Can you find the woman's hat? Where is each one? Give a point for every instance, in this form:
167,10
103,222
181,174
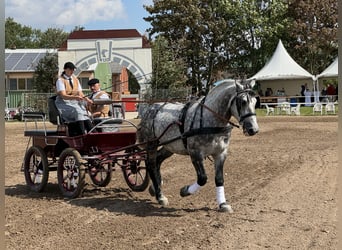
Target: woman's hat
69,65
93,81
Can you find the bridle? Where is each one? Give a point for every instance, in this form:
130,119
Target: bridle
238,101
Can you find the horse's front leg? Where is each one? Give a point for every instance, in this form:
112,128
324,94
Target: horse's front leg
197,161
219,182
154,172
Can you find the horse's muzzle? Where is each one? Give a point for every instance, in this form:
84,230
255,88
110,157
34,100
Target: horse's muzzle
250,130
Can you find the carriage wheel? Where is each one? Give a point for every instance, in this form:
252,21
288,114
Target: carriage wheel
70,173
135,171
101,175
36,168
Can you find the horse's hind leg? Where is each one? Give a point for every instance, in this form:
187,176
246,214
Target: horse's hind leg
154,172
162,154
197,161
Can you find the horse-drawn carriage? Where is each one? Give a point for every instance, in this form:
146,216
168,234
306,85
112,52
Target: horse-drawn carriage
95,153
199,128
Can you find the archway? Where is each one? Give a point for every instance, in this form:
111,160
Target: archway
86,63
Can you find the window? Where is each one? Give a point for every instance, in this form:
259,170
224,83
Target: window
13,84
84,82
29,83
21,84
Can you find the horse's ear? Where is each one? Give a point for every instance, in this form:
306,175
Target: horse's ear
239,86
249,84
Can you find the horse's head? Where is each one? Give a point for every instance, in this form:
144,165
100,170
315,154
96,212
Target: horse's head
244,110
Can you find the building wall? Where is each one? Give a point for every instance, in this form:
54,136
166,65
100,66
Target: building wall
126,52
79,44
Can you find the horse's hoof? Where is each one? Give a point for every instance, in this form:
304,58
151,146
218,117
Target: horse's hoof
151,190
163,201
184,191
224,207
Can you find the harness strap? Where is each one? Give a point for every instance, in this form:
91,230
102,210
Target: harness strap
182,119
199,131
185,108
206,130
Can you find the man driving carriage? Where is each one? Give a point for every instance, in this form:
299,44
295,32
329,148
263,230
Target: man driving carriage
97,110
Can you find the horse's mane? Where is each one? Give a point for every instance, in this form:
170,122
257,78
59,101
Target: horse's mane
239,85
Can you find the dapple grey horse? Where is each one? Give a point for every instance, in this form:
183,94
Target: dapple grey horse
199,128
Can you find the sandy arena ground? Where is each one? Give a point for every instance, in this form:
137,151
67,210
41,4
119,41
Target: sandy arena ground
281,183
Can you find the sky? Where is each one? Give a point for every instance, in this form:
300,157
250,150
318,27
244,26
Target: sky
92,15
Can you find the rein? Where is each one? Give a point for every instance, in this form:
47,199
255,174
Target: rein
202,130
220,116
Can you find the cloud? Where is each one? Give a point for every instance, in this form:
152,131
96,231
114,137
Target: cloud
61,13
146,2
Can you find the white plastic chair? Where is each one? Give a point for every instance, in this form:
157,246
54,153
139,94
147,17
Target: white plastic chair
285,107
269,110
330,107
318,107
7,114
295,110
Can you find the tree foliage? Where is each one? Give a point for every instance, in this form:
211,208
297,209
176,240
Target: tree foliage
313,33
18,36
168,70
45,74
215,36
52,38
133,84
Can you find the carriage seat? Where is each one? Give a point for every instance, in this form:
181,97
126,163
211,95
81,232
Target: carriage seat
108,124
54,115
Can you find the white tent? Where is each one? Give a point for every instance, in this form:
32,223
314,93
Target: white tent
281,71
330,71
281,66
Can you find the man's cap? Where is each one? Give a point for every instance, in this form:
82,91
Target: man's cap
69,65
93,81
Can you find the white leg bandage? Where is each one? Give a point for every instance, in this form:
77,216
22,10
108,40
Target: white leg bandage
194,188
220,197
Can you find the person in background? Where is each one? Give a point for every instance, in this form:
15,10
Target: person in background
331,91
97,110
71,102
308,95
268,92
324,97
302,92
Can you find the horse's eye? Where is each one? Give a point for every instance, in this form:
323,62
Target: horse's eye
244,102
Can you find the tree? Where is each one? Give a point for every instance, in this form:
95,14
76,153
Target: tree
253,31
18,36
133,83
52,38
168,71
45,74
313,33
215,36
